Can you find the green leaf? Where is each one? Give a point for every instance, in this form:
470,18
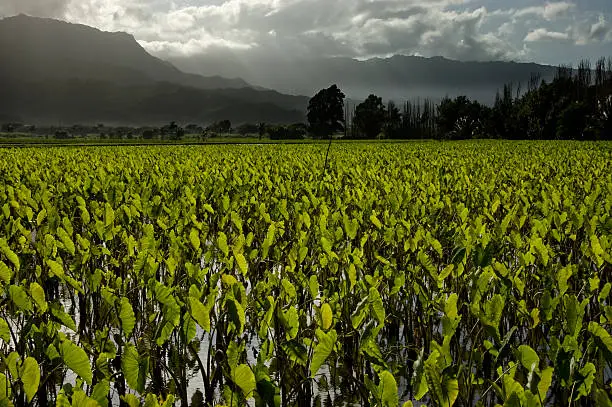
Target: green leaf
326,316
313,286
388,390
601,398
528,358
30,377
222,243
5,273
66,240
10,255
242,263
41,216
126,314
245,379
545,382
58,312
100,392
109,215
56,268
588,373
374,219
20,298
76,359
601,334
130,367
200,313
5,333
194,239
38,294
237,314
376,305
5,388
322,350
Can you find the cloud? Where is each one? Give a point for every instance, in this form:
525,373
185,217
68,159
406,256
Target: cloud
38,8
587,32
548,11
460,29
542,34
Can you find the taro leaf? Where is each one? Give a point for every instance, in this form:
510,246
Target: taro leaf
236,313
326,316
313,285
109,215
200,313
5,273
56,268
296,352
5,333
41,216
38,294
58,312
245,379
419,381
100,392
30,377
601,334
5,388
601,398
66,240
130,365
128,320
222,243
10,255
20,298
76,359
545,382
63,401
242,263
322,350
374,219
292,322
528,358
376,305
588,375
444,388
194,239
388,390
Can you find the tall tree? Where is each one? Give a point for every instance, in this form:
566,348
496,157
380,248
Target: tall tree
370,116
326,112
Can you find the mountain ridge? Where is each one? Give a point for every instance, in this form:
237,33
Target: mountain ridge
59,71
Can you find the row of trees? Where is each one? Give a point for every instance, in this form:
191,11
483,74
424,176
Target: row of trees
576,104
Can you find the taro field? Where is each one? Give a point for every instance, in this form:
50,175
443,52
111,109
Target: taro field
440,274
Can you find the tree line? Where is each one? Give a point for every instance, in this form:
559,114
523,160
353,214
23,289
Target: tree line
575,104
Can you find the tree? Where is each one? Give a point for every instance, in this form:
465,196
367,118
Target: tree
326,112
370,117
393,123
461,118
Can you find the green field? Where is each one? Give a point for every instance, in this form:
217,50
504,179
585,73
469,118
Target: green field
467,273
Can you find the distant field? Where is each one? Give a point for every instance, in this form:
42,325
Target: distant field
456,273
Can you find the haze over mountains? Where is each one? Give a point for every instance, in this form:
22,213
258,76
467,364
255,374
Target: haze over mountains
398,77
56,72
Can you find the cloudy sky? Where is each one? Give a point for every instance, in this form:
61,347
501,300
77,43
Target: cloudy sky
524,30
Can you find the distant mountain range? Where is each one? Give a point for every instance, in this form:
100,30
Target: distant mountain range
399,77
53,72
56,72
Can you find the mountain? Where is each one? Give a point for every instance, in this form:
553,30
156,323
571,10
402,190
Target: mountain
53,71
398,77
